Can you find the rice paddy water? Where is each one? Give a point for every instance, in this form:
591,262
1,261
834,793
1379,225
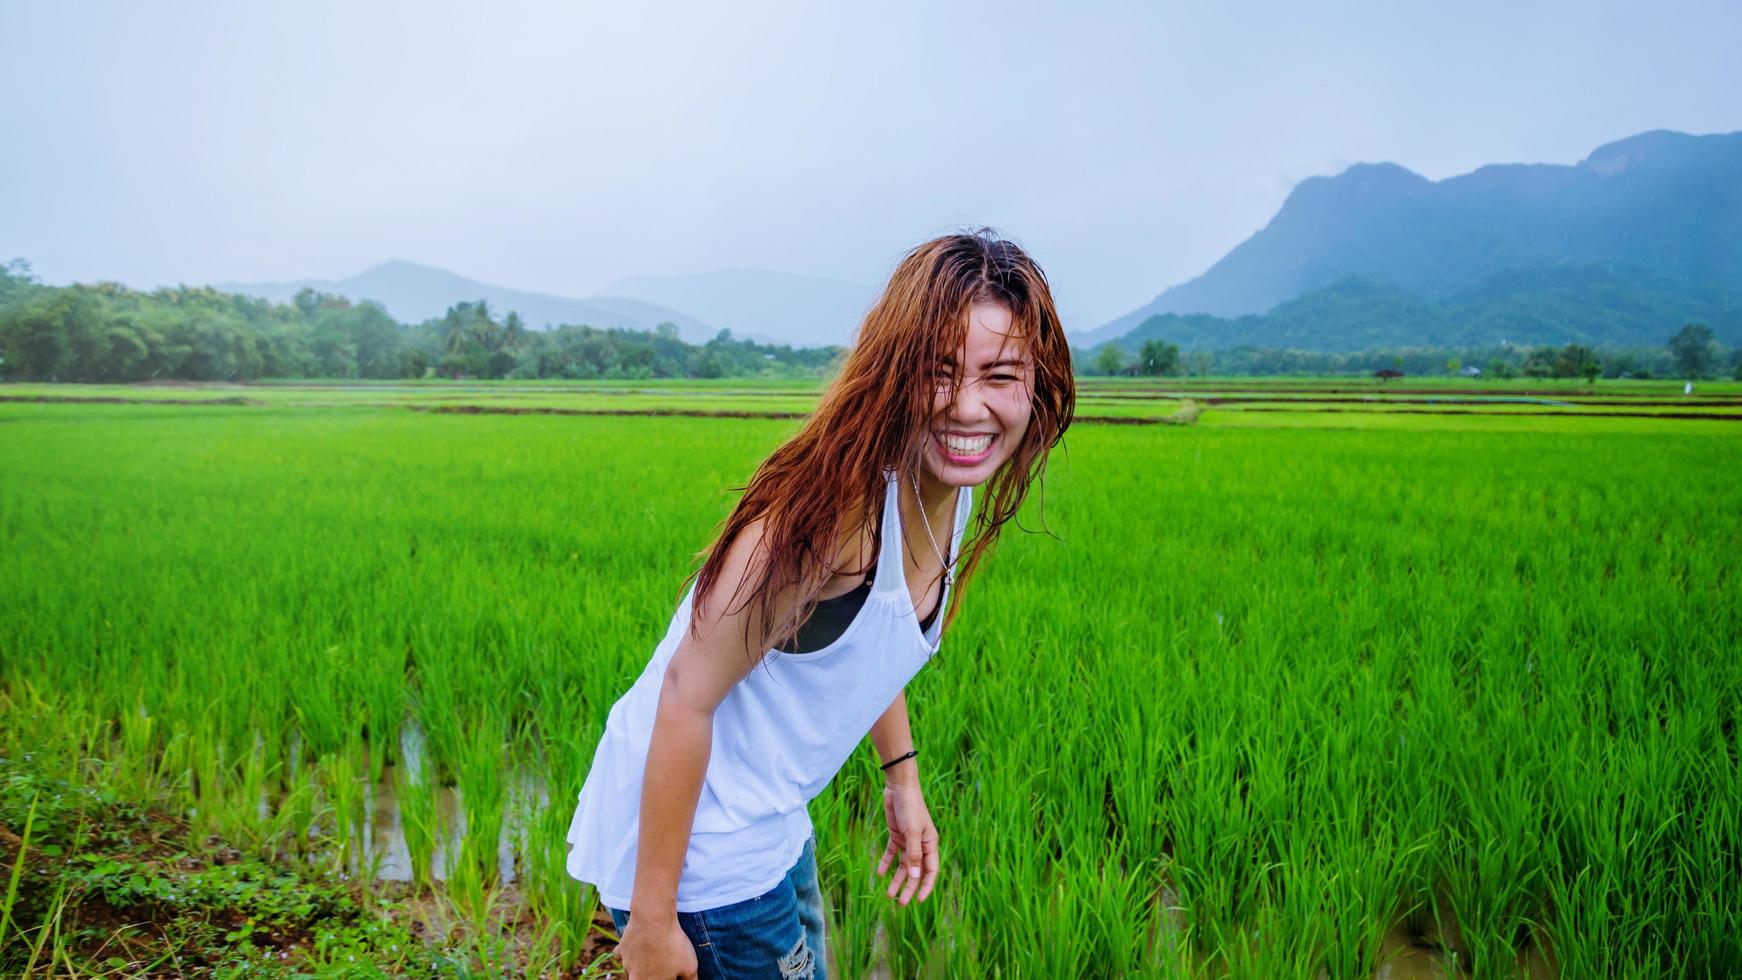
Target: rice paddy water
1270,695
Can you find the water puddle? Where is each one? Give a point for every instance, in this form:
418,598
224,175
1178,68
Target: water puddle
1406,952
399,819
385,846
1404,955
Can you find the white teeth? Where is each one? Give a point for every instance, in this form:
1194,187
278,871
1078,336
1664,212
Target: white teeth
965,445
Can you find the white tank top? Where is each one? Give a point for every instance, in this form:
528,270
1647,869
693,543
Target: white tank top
780,735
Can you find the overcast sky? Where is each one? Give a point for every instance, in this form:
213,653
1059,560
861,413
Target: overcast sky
558,147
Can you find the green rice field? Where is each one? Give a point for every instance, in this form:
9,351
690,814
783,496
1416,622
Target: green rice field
1292,678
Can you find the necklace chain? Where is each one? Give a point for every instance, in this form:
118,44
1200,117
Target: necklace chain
924,519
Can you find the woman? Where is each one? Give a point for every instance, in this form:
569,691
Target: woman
820,598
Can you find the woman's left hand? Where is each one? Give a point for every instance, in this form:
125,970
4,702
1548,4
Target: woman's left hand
913,843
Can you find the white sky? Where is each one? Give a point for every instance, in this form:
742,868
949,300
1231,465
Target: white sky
558,147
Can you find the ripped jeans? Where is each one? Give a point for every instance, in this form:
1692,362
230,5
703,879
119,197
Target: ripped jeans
778,935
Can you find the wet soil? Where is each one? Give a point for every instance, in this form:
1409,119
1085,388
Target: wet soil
126,890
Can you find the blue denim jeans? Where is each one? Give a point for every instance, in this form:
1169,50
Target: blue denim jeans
778,935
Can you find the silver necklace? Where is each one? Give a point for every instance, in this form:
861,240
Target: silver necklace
949,566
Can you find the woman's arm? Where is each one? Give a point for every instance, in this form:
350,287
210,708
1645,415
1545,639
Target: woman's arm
677,760
892,736
704,668
910,825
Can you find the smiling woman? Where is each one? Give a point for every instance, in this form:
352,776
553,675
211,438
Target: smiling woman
979,417
693,820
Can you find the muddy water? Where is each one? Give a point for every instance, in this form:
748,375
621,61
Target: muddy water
383,839
1403,954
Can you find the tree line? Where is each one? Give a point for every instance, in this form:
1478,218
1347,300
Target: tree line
106,332
1691,353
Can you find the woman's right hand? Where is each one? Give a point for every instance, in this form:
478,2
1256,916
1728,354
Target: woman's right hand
653,950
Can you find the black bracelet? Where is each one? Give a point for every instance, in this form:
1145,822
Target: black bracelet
900,758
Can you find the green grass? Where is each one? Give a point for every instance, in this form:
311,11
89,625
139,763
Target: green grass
1279,684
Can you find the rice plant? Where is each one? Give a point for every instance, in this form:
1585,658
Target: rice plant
1266,695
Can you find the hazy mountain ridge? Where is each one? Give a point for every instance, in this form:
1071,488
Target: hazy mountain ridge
1657,203
797,309
413,293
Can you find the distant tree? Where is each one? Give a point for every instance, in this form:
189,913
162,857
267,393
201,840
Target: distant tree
307,300
1111,360
1201,361
415,363
499,364
1574,361
15,280
453,331
1454,365
1157,357
376,338
667,330
39,344
1539,363
1692,348
513,331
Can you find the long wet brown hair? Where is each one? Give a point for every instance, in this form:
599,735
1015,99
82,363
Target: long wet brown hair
828,480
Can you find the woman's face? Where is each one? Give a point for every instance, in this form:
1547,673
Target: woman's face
971,439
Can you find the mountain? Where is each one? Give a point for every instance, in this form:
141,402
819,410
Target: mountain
413,293
805,311
1603,304
1660,203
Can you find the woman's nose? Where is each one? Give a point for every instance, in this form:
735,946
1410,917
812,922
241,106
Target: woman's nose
971,403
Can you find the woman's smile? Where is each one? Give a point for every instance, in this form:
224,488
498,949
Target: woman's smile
966,449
